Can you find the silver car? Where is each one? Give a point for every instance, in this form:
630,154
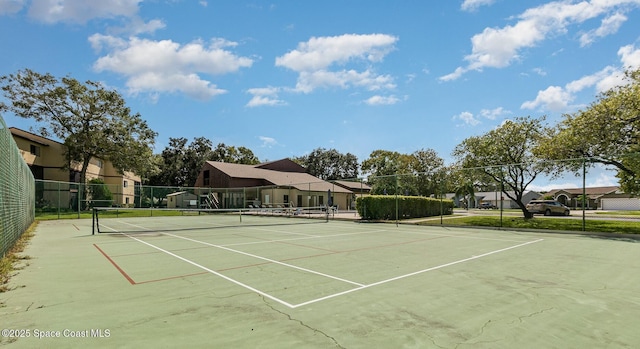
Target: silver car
547,207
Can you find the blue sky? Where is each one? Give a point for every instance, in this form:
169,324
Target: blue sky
285,77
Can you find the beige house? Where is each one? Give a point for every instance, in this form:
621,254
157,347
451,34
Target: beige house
281,183
46,160
572,197
358,188
182,199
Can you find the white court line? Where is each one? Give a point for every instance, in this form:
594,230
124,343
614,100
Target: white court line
246,254
412,274
293,306
304,238
267,259
465,236
215,273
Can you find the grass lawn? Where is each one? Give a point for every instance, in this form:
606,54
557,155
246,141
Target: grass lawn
111,213
601,226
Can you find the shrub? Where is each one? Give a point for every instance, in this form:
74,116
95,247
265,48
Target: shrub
100,194
384,207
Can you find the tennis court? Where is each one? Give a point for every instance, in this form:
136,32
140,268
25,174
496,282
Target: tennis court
284,282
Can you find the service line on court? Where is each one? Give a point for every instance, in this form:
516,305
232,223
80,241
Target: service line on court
267,259
293,306
412,274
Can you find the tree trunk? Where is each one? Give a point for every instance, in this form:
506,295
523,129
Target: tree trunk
82,186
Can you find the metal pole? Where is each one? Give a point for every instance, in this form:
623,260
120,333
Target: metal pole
441,203
584,193
396,199
501,194
59,201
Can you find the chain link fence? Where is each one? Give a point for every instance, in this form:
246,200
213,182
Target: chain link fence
573,194
500,196
17,192
55,200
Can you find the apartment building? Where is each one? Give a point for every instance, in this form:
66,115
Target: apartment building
46,159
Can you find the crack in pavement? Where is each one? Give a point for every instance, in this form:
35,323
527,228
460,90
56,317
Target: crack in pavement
534,313
301,323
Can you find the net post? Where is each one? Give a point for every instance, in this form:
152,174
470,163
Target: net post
94,221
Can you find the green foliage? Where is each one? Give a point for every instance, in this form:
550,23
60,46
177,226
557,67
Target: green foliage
92,120
591,225
329,164
383,207
232,154
506,155
180,163
607,132
99,193
419,173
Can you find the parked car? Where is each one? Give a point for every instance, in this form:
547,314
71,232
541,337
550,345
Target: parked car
486,205
547,207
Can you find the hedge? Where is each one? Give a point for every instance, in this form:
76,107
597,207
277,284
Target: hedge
384,207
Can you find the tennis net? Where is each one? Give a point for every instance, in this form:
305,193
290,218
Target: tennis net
132,220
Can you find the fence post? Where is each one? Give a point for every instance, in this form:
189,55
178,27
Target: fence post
584,192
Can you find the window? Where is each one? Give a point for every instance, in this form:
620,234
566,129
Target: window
205,177
286,199
34,150
99,163
126,201
126,184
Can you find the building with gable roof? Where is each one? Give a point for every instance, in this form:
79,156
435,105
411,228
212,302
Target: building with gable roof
572,197
281,183
47,161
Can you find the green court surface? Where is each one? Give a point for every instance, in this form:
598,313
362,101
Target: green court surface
275,282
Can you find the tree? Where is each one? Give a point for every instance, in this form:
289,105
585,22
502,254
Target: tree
99,193
92,120
180,163
383,167
419,173
607,132
231,154
329,164
425,167
506,155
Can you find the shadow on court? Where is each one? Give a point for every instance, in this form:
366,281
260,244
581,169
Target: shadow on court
202,283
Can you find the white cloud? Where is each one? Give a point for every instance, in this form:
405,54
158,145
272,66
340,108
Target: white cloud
320,52
493,114
267,142
556,98
138,26
467,118
11,6
313,61
540,71
167,66
543,188
265,96
382,100
309,81
80,11
455,75
603,180
472,5
630,56
499,47
610,25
